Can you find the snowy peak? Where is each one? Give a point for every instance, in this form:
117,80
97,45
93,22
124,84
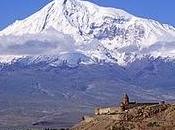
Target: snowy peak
115,34
88,20
66,13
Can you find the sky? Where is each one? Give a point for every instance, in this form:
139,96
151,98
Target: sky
160,10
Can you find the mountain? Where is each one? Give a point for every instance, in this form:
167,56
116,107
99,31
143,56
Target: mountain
100,33
72,55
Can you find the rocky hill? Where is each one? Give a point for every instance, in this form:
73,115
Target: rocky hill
154,117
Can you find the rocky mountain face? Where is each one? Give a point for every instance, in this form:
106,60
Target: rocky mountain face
73,55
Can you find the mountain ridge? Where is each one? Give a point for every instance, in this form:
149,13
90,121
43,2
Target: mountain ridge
116,30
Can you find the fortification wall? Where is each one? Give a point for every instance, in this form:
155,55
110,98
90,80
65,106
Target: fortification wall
107,110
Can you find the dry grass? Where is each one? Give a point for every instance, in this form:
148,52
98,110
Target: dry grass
156,118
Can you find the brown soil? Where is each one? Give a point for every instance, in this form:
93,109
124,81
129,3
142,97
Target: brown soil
155,117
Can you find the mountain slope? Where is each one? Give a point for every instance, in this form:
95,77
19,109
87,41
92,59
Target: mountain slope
61,95
72,56
121,36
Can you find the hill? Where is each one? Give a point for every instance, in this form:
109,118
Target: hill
155,117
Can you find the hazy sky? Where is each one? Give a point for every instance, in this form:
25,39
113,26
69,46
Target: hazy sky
161,10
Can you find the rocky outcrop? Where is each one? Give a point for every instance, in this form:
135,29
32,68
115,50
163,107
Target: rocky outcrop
153,117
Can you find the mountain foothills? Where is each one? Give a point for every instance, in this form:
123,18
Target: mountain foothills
72,55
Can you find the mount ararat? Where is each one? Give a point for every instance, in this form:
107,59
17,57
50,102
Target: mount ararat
73,55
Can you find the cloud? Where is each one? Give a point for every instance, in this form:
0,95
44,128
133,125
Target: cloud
49,42
160,46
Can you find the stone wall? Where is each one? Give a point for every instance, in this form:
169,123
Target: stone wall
107,110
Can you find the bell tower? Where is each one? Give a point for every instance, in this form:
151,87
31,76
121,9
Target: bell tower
125,100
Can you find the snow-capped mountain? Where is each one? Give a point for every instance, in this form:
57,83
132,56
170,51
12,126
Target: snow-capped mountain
73,55
100,33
